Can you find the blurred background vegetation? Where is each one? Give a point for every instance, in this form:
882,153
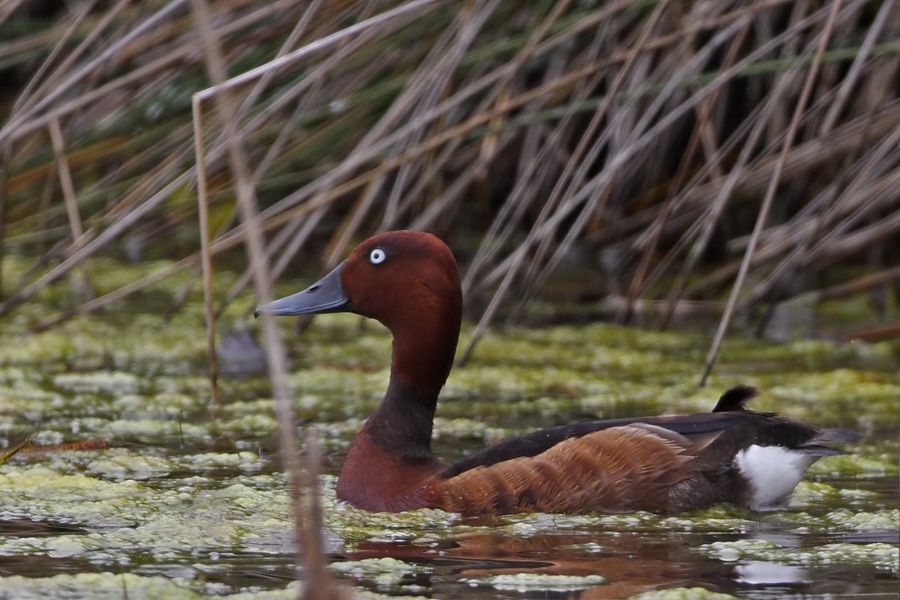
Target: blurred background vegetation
613,157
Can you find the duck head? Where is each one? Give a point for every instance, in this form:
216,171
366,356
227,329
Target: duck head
407,280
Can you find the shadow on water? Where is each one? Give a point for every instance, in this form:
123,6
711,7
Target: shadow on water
628,562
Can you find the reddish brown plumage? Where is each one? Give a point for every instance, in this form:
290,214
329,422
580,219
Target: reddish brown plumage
409,281
416,295
373,478
621,468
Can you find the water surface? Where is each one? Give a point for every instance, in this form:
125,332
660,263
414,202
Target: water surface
172,510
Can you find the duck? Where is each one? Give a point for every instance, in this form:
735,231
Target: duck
409,281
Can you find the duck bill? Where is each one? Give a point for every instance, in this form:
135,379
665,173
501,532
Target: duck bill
324,296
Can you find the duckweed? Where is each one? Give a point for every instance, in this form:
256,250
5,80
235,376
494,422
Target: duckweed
177,508
536,582
883,556
129,466
101,586
386,573
856,465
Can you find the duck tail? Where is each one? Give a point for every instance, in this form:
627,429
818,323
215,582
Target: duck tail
820,444
735,399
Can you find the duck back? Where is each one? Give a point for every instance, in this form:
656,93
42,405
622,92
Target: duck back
663,464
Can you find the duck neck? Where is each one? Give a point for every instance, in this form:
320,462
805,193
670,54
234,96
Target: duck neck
421,361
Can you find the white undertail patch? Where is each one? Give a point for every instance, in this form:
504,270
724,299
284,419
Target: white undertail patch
773,473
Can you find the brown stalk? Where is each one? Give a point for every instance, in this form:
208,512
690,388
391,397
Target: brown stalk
565,183
317,577
5,153
358,158
560,193
80,74
30,121
81,282
122,292
289,234
860,284
725,192
32,89
314,47
626,154
825,224
803,158
207,266
618,163
853,74
91,246
770,193
886,331
8,9
203,216
703,129
871,195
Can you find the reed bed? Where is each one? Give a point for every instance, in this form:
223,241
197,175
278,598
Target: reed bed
694,150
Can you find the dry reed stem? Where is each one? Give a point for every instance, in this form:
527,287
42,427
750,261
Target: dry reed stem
572,178
12,127
32,88
770,193
433,120
860,284
310,49
206,264
570,234
702,131
81,280
725,192
318,580
855,70
831,221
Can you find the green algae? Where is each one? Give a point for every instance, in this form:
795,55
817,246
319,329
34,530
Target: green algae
887,520
101,586
119,465
536,582
115,586
387,574
883,556
857,465
169,494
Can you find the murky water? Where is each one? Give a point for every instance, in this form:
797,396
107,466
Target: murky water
170,510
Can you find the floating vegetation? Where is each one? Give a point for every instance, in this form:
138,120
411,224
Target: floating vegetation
172,502
387,574
531,582
885,557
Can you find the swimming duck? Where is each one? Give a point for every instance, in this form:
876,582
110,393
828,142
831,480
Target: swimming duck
408,280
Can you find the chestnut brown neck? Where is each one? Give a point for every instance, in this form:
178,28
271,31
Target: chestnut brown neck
423,350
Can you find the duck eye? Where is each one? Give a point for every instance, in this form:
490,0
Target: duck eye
377,256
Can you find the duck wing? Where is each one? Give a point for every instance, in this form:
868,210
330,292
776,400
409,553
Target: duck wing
536,442
629,467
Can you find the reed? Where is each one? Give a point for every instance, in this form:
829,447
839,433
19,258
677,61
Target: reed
691,145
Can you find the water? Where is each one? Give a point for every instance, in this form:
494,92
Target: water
172,510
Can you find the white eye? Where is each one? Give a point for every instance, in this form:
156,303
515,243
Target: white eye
377,256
